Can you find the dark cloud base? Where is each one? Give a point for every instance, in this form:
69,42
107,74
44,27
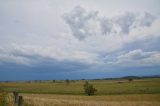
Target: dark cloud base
58,73
151,44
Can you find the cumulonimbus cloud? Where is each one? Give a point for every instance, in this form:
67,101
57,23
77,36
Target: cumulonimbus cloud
87,23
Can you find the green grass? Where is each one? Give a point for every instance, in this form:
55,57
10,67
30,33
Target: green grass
2,98
104,87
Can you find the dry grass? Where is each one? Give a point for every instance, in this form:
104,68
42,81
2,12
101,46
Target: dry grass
10,100
70,100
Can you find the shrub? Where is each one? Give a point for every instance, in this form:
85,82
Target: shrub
53,81
89,89
130,79
67,81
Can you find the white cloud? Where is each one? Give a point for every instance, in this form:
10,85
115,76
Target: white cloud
106,26
85,24
24,54
80,22
142,33
90,34
138,58
102,34
146,19
125,22
8,58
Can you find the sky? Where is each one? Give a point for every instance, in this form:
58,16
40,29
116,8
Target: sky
78,39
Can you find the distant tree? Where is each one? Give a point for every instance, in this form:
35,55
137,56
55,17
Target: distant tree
67,81
130,79
82,79
53,81
7,81
89,89
28,81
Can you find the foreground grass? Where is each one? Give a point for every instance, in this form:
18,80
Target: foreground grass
2,99
77,100
144,92
104,87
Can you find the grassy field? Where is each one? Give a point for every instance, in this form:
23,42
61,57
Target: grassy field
121,92
104,87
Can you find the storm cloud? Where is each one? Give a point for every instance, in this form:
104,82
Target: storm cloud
78,39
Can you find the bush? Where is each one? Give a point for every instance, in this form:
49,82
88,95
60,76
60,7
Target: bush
130,79
53,81
67,81
89,89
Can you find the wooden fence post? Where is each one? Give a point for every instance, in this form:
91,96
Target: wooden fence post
20,101
15,97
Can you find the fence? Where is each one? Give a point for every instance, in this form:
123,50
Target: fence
18,100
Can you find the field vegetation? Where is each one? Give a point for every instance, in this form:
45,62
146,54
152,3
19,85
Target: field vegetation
118,92
81,100
2,98
104,87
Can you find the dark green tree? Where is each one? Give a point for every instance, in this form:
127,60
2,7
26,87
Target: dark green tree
130,79
89,89
53,81
67,81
